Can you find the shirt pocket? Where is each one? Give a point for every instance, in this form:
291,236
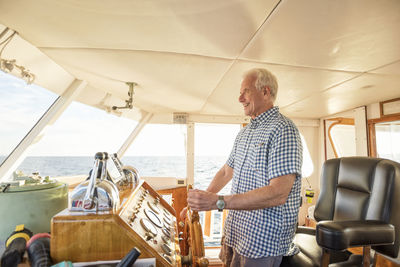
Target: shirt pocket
260,163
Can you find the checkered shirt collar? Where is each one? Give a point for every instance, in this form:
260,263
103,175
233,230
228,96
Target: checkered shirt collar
263,117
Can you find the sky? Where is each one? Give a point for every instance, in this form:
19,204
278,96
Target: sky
83,130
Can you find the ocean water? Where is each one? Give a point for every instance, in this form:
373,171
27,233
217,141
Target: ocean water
205,166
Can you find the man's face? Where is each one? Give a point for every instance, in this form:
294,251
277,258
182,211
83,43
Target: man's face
253,101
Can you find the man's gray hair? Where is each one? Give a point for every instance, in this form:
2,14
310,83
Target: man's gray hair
264,78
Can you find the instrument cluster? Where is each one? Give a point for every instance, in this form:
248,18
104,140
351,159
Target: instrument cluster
153,222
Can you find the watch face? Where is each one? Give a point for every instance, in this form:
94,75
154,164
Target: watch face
220,204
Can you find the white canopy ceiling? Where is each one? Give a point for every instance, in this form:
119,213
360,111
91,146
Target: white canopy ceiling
189,56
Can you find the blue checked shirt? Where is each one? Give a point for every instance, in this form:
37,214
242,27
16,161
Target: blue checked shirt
268,147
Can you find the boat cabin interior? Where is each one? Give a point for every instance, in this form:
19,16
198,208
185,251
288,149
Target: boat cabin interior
112,70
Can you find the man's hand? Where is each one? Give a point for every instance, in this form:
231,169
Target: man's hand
182,215
199,200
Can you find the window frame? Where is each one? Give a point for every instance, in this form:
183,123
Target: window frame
336,121
372,132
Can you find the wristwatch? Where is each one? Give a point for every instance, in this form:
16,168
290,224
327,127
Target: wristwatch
220,203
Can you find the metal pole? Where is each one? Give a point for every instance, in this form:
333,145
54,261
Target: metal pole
190,154
145,119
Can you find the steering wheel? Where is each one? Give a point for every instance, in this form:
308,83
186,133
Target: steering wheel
192,243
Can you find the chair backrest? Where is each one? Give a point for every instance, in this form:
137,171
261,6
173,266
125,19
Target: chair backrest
361,188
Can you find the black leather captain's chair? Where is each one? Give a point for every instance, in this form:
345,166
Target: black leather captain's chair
358,205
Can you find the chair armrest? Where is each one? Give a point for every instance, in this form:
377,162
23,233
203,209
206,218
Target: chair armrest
340,235
305,230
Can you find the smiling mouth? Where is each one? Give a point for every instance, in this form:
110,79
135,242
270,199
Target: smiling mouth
246,105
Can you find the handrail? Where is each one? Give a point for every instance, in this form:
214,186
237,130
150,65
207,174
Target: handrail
343,121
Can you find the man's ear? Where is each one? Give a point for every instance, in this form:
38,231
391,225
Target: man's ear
267,91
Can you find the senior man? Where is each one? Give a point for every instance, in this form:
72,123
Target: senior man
265,169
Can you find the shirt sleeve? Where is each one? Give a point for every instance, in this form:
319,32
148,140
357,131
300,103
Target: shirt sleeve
286,153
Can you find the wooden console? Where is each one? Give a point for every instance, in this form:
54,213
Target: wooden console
145,221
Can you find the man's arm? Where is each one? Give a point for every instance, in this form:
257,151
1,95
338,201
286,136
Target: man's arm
274,194
221,178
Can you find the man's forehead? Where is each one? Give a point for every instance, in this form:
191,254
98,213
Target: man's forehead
247,84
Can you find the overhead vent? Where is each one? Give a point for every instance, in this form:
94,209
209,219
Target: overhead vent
180,118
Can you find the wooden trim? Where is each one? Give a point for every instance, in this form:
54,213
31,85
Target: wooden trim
367,132
207,223
372,140
325,258
372,131
224,215
179,200
342,120
331,139
388,101
325,148
378,260
337,121
366,256
385,119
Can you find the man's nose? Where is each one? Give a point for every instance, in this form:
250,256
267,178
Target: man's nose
241,98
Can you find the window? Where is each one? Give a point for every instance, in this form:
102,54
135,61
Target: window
343,137
308,167
159,151
213,144
21,106
68,147
388,140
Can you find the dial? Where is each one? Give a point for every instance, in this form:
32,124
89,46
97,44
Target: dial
168,258
167,221
166,249
153,217
166,239
153,207
166,232
148,226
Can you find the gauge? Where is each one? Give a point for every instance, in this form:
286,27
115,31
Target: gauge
153,207
166,232
168,258
167,226
166,239
166,249
167,214
148,226
167,221
153,217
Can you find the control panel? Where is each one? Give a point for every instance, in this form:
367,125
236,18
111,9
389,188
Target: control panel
147,214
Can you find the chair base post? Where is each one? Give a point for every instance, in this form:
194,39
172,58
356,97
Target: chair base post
325,258
375,259
366,256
